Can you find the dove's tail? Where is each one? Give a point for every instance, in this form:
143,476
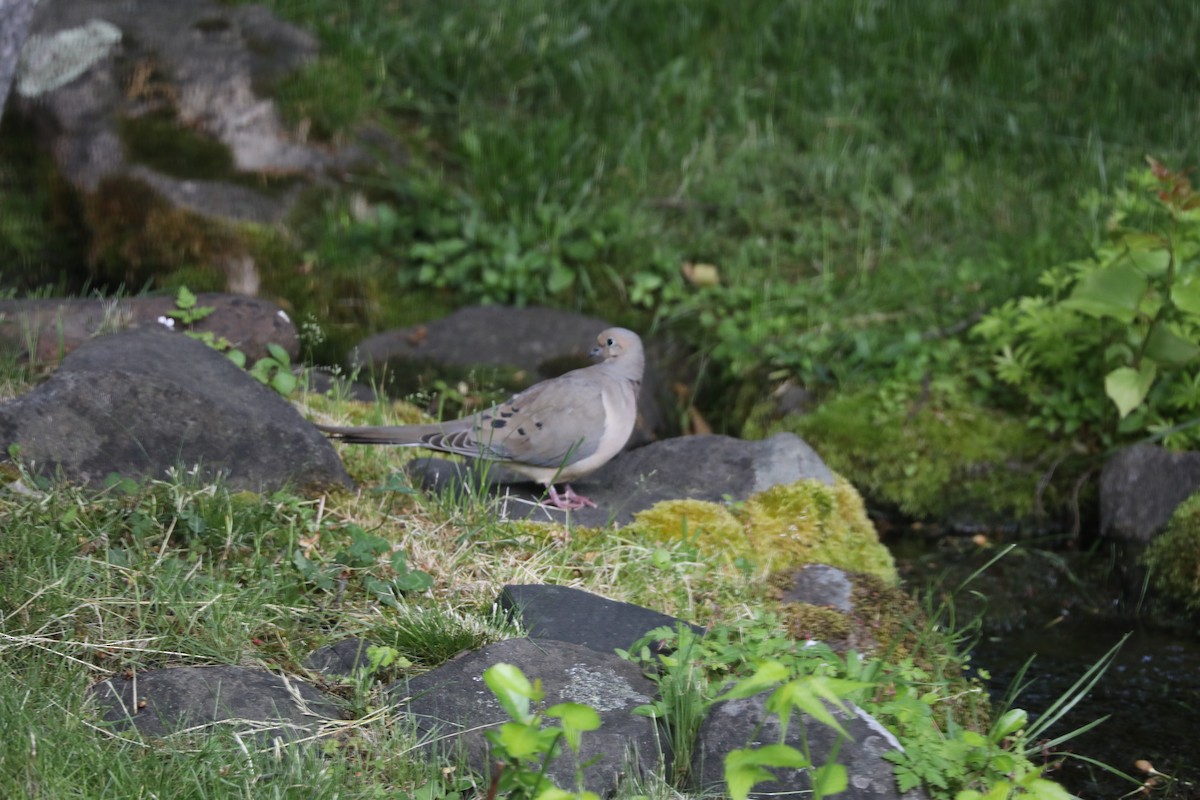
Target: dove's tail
401,435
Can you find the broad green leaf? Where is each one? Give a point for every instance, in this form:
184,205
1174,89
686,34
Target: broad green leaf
284,383
1185,294
766,676
575,715
830,779
1012,721
1148,252
744,768
576,718
805,695
278,353
512,689
561,278
1167,349
520,740
1128,387
1113,291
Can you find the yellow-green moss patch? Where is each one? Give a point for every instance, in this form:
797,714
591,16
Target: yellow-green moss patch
710,525
804,522
905,447
809,521
1174,557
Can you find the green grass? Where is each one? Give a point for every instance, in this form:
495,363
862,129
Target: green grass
858,171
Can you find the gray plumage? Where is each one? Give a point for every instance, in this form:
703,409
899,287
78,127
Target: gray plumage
555,431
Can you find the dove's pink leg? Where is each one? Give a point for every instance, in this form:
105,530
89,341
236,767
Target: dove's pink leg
568,500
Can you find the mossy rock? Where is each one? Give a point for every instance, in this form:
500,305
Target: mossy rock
803,522
1174,557
710,526
937,457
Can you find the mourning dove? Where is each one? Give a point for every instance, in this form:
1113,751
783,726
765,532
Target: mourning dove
553,432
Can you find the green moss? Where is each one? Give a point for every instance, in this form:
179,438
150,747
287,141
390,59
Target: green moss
137,236
160,141
907,451
805,621
808,521
39,242
709,525
1174,557
785,526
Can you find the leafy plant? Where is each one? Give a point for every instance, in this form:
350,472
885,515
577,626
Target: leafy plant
379,569
525,746
809,694
273,369
941,752
1122,324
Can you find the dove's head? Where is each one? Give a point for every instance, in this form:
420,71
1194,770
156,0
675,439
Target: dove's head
620,350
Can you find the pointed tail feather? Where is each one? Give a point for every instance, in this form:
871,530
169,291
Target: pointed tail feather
401,435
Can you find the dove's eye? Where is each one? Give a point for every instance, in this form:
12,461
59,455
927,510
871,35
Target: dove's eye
610,342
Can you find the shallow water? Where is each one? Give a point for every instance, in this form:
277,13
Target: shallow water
1151,694
1062,608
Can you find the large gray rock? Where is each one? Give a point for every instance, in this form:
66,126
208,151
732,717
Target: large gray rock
256,702
572,615
709,467
15,16
451,708
144,401
1141,487
45,330
738,724
91,63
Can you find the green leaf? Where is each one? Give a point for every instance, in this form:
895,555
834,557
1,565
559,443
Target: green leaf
237,357
184,298
1012,721
830,779
520,740
561,278
1185,294
284,383
744,768
576,718
1168,349
1128,387
575,715
1109,292
766,676
279,354
512,689
1153,263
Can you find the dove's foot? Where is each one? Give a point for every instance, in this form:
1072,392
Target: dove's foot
568,500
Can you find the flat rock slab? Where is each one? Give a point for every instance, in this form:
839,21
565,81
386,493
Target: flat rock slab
820,585
142,402
511,347
168,701
572,615
451,707
1141,487
736,724
709,467
45,330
